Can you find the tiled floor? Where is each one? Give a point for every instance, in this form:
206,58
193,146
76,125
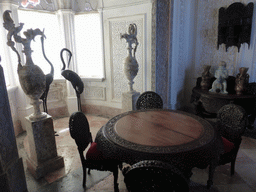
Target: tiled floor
243,180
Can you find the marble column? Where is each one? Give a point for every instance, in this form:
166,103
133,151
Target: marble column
12,176
42,153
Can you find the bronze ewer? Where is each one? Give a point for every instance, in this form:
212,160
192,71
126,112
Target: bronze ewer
242,80
31,77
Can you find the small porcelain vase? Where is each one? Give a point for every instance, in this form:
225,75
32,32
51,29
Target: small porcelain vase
242,79
206,78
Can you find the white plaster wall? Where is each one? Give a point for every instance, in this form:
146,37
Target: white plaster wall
116,20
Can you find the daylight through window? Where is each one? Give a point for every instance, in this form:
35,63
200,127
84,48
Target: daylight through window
52,44
89,45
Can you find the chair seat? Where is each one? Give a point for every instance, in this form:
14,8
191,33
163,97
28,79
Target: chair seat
228,146
93,153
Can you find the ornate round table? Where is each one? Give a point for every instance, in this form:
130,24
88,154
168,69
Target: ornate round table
183,139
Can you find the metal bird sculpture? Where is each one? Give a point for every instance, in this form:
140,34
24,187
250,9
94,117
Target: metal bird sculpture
73,77
12,31
48,77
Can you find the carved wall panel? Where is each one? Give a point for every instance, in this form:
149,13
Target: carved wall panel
119,53
57,95
93,92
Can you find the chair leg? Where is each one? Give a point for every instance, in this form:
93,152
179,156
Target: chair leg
233,167
120,166
211,173
115,173
84,176
89,171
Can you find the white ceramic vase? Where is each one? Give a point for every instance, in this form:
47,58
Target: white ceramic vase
131,66
131,69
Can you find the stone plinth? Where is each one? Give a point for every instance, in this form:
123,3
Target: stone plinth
129,101
42,154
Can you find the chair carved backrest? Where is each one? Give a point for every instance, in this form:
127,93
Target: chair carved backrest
152,175
149,100
80,130
232,120
251,88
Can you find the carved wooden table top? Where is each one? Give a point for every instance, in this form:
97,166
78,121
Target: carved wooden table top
158,128
158,134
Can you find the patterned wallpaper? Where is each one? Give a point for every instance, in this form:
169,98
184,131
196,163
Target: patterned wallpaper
161,41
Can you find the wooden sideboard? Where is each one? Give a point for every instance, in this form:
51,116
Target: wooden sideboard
208,103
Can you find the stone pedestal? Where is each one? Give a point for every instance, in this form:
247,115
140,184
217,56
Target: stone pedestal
42,154
129,101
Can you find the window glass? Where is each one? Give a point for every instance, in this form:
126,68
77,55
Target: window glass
52,44
89,45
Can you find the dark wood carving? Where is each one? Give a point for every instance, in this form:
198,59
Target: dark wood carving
114,145
235,23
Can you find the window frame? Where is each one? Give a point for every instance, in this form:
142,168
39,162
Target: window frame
97,79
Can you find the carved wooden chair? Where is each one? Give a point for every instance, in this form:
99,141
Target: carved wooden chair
154,176
149,100
80,132
251,89
231,124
